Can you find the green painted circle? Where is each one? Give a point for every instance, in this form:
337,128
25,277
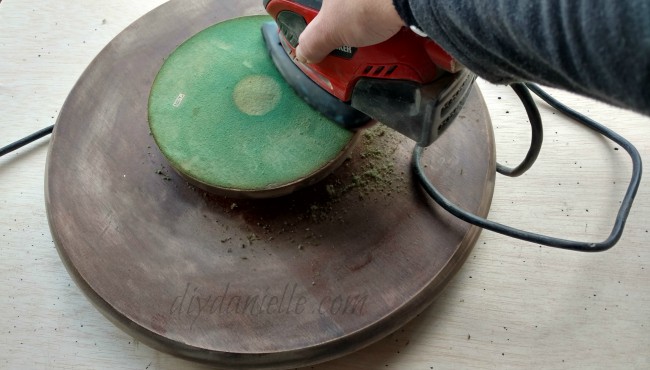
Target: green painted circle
223,116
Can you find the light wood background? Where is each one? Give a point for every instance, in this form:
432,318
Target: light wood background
512,305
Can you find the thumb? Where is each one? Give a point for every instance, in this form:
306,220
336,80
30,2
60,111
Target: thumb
316,41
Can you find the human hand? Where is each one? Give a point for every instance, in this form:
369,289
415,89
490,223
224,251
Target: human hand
355,23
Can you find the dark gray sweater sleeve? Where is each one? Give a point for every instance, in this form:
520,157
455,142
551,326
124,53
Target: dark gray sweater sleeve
597,48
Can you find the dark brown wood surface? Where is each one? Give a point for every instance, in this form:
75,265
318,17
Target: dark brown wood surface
260,283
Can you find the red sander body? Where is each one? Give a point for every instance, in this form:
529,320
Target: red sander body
408,82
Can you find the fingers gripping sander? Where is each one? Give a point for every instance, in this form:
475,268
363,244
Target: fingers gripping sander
408,82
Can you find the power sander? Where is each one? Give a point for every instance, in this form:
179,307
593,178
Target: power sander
408,83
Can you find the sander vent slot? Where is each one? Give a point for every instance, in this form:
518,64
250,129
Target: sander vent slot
379,71
453,100
449,118
390,70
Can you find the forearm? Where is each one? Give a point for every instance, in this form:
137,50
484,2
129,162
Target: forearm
598,48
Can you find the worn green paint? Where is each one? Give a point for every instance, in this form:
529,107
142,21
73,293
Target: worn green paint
222,114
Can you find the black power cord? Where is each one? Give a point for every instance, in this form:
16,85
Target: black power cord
26,140
537,133
536,143
526,98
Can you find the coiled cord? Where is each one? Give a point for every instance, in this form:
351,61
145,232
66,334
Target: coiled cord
535,120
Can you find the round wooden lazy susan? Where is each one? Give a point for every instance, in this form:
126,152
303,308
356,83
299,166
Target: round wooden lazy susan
258,283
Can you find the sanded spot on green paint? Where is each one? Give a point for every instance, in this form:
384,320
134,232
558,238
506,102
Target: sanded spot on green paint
222,114
257,95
